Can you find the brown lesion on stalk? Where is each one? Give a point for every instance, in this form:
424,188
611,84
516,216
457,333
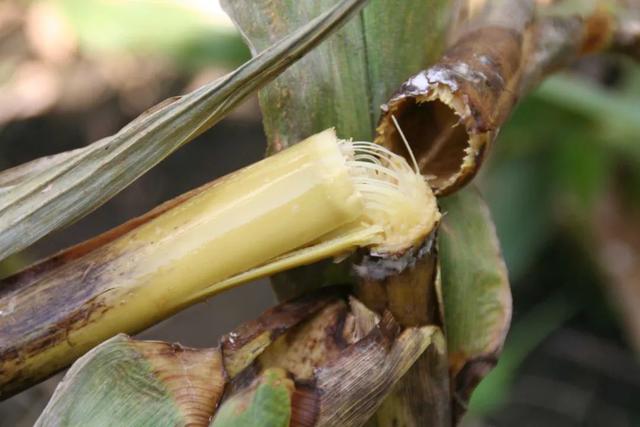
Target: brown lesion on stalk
405,285
34,327
598,31
452,112
37,316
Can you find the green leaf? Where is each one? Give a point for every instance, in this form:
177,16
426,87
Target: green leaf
475,287
80,181
519,192
265,404
617,114
137,383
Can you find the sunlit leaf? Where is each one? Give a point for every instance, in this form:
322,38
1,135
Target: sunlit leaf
147,26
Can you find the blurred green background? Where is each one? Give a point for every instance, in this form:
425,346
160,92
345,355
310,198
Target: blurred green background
563,183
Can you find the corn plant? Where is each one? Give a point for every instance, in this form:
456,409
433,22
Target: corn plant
420,308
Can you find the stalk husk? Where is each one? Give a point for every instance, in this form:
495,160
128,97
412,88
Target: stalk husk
242,346
404,284
340,364
421,397
408,287
327,361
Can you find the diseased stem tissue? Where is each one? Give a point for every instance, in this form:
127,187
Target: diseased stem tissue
321,198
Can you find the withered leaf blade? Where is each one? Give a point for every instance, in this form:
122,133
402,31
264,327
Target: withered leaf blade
247,342
476,293
354,385
421,398
51,193
310,344
138,383
345,360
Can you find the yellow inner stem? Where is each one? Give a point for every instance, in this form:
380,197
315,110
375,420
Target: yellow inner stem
321,198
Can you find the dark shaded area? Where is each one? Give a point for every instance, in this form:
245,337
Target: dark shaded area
581,374
435,134
568,153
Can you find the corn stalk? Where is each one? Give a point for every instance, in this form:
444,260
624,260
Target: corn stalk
335,200
49,193
428,304
499,51
450,114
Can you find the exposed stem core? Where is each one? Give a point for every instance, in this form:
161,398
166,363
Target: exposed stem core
318,199
396,197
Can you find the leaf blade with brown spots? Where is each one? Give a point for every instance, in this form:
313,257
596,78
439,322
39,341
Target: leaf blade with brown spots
476,293
138,383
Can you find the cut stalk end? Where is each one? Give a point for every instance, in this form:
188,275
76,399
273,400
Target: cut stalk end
396,198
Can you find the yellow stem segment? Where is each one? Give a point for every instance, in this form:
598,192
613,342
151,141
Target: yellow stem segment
321,198
261,212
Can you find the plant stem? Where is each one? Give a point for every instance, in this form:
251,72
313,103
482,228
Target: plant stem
49,193
501,49
319,199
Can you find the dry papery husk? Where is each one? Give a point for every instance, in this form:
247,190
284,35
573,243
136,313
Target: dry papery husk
322,360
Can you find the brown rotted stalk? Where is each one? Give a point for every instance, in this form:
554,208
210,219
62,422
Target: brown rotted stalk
500,50
407,286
